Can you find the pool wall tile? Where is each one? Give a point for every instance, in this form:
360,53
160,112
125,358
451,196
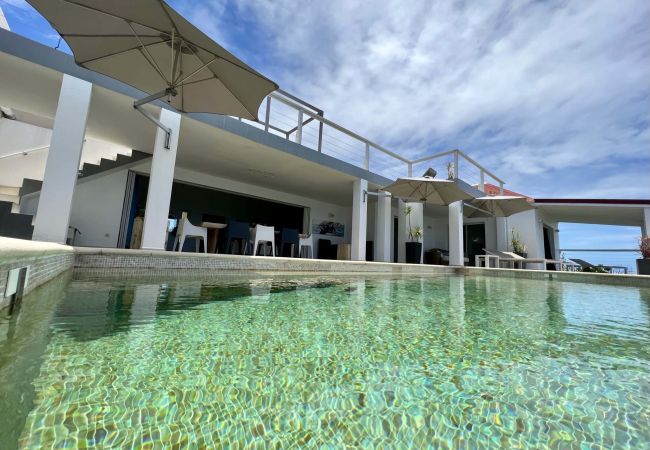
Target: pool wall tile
45,261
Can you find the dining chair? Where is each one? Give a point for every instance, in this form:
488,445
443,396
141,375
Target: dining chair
263,235
185,230
306,247
237,232
289,236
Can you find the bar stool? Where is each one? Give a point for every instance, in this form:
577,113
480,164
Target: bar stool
306,246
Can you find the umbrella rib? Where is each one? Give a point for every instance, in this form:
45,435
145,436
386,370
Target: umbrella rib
180,82
252,72
197,81
106,35
121,51
143,50
246,69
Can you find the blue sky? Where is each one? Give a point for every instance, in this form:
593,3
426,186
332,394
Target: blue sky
553,96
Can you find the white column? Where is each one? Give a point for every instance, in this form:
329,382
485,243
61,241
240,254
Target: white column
382,227
64,155
160,183
359,219
502,234
645,228
456,252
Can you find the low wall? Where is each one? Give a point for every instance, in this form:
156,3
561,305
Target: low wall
44,260
88,258
574,277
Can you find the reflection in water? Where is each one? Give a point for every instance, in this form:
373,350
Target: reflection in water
24,337
354,361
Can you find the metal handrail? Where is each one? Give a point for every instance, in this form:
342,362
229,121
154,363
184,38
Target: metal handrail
25,152
337,127
313,113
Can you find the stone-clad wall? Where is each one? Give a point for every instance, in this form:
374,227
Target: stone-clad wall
45,261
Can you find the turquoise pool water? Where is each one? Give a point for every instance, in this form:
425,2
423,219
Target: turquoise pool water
321,362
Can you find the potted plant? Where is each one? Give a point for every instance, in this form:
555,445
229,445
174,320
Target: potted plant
518,247
643,264
414,247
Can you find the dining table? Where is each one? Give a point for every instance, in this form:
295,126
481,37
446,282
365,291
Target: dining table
213,234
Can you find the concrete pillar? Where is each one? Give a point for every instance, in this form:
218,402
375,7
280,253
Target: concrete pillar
359,219
160,183
60,178
645,228
456,249
502,234
383,221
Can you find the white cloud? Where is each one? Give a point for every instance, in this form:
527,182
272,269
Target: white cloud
528,88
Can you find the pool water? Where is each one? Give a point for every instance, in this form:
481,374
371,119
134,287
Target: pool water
324,362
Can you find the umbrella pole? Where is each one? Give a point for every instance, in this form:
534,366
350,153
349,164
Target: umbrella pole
138,106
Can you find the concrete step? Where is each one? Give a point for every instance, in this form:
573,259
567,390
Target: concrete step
9,190
14,225
30,185
9,198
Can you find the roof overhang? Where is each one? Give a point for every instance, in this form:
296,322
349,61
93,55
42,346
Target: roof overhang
627,212
208,143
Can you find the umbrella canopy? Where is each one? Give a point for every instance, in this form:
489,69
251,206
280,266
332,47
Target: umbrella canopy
497,205
148,45
428,190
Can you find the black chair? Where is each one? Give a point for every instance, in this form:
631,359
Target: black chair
289,237
237,232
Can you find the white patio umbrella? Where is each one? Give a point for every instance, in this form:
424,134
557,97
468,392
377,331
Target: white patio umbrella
148,45
428,190
497,205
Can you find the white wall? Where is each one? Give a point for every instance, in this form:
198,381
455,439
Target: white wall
97,209
16,136
436,233
529,226
98,202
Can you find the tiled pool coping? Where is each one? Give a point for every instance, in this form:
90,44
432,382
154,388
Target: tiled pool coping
47,261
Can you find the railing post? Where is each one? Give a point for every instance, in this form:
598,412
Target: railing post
455,163
501,188
320,135
366,159
299,129
482,185
268,114
410,165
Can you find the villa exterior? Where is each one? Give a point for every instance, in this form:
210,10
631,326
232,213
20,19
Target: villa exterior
294,166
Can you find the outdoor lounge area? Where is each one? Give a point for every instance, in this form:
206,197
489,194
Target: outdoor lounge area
193,257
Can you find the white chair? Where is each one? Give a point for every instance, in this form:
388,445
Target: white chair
306,244
186,229
263,235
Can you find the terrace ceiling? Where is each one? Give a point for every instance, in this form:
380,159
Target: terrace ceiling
242,155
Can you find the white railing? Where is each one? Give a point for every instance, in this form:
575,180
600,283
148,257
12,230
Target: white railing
294,119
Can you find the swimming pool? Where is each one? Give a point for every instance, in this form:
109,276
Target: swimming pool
310,361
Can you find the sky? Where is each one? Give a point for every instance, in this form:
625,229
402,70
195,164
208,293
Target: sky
553,96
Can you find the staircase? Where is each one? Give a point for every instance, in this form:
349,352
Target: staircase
16,225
